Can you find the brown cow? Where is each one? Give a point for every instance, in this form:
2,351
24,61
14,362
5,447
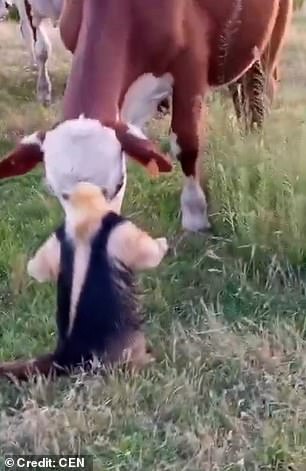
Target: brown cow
249,91
127,57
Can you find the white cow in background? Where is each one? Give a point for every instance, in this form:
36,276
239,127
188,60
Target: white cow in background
31,14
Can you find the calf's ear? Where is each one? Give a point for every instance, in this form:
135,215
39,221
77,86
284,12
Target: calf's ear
140,148
24,157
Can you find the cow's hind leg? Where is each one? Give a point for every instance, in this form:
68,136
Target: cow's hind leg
42,53
185,144
27,31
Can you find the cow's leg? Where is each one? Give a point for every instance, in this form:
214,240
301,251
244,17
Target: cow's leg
185,144
42,52
28,32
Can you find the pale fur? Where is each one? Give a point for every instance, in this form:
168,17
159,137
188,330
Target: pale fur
135,248
44,265
81,260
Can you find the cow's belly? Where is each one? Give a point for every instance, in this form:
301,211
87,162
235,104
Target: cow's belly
143,96
241,29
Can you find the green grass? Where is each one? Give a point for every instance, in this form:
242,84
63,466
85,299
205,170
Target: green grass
225,312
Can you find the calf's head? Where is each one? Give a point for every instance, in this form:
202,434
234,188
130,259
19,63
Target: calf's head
84,150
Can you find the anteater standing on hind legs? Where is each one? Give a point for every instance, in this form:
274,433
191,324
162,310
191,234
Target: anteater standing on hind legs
93,256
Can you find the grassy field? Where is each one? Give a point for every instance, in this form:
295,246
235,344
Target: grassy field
225,313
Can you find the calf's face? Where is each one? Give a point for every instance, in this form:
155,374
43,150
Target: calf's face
85,150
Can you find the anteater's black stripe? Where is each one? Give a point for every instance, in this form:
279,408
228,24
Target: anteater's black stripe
64,284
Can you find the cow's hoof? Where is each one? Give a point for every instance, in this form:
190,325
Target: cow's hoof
194,207
196,223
